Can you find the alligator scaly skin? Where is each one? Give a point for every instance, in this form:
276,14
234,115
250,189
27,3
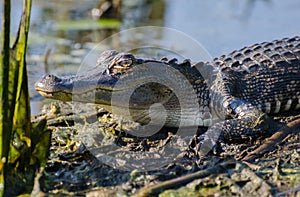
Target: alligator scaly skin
250,85
252,82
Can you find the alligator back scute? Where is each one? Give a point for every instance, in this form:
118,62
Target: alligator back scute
266,75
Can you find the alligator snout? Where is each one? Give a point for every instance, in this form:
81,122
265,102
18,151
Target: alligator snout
46,80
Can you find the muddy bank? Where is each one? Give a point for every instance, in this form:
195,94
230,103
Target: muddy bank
75,168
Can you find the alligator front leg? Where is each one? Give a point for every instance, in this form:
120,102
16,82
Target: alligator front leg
248,124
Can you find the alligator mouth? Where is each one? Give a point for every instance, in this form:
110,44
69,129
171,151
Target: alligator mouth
88,95
97,94
45,94
39,87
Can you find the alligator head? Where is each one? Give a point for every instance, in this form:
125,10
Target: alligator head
138,89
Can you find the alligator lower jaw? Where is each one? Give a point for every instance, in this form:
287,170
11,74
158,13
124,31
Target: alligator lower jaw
86,97
56,95
51,95
45,94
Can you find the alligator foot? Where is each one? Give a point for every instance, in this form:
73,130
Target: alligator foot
235,131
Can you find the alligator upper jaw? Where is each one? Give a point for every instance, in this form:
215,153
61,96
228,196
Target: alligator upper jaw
77,88
100,89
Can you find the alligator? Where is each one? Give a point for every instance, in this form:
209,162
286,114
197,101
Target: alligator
236,99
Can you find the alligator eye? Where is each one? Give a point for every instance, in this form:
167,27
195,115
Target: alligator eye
50,77
124,62
121,66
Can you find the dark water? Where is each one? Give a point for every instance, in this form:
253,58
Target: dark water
218,26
